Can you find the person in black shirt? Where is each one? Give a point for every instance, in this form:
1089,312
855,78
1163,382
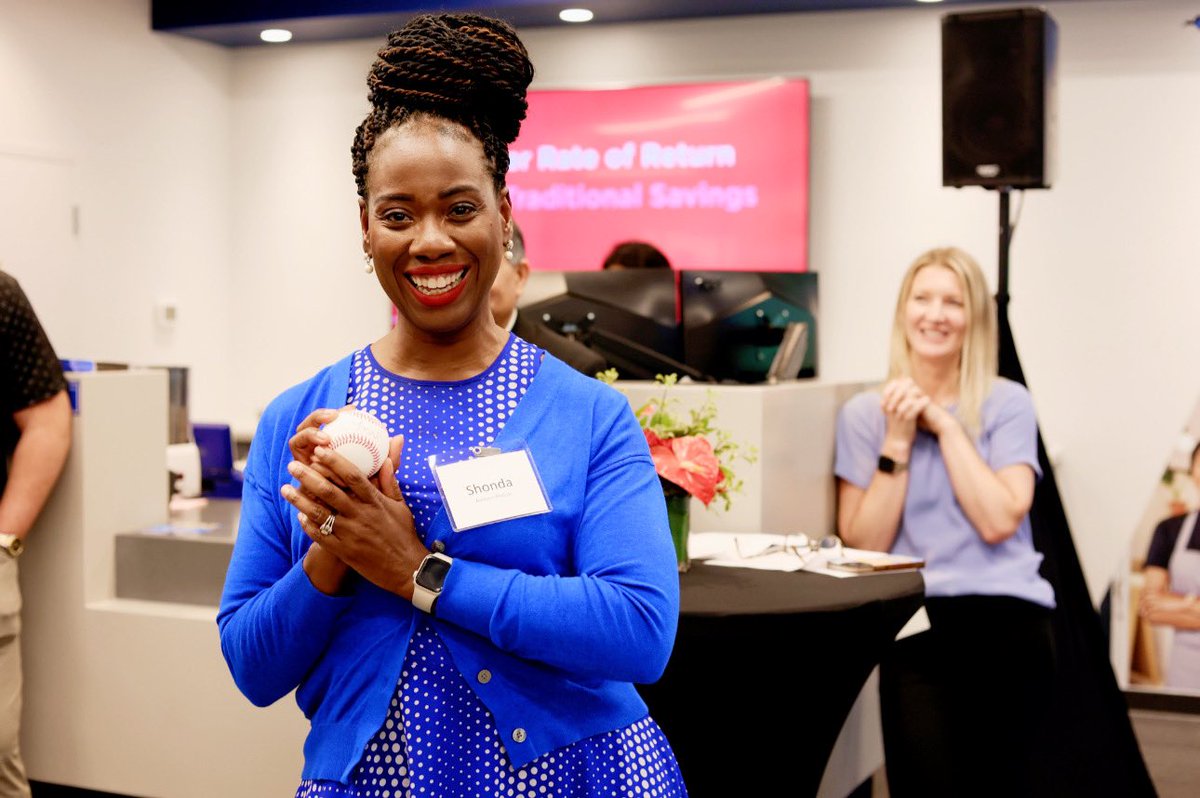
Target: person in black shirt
36,435
1172,573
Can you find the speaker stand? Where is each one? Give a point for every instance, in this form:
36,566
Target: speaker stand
1089,709
1006,230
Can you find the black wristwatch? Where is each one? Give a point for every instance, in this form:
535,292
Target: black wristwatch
889,466
428,581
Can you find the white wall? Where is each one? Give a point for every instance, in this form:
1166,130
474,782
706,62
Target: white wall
220,179
299,289
141,121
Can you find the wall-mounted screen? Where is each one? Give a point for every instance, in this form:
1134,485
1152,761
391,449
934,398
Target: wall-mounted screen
712,174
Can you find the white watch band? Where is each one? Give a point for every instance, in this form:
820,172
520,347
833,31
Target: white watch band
423,597
11,544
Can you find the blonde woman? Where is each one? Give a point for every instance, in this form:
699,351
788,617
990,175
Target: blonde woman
940,463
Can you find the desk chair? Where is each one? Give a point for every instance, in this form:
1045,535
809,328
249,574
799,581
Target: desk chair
218,479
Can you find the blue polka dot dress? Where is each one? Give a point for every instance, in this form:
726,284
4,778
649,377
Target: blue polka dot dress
439,740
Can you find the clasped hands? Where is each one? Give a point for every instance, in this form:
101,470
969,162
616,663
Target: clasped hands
906,407
373,530
1156,602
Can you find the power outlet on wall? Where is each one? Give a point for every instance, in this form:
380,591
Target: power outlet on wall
166,311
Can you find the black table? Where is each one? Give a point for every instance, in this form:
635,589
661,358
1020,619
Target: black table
760,651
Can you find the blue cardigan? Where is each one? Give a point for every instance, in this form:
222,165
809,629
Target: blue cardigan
565,610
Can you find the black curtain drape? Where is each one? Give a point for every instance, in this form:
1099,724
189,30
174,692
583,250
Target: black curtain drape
1089,748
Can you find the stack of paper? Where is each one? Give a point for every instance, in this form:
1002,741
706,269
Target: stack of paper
777,552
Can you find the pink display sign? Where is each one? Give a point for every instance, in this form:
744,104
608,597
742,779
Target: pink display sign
713,174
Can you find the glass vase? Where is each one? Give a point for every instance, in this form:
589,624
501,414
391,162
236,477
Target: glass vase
679,516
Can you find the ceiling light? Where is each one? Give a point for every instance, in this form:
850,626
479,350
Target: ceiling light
575,15
276,35
929,1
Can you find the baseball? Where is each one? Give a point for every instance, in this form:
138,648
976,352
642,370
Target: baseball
360,438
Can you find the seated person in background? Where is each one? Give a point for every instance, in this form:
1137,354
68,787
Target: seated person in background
636,255
506,291
940,464
1172,581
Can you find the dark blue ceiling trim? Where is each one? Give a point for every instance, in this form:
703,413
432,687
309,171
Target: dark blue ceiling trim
237,23
173,14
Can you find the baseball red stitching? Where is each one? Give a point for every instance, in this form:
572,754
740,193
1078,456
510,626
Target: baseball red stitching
363,441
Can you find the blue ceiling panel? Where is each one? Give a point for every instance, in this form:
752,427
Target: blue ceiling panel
236,23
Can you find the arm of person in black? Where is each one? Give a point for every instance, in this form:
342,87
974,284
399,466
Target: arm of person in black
33,392
1159,604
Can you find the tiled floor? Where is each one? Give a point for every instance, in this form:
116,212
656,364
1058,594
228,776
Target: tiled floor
1170,744
1171,747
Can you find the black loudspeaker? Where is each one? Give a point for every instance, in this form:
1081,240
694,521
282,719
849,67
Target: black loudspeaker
998,109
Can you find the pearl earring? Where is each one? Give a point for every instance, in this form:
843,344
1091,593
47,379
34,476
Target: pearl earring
368,263
508,250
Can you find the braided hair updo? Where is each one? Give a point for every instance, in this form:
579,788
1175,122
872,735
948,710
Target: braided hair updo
461,67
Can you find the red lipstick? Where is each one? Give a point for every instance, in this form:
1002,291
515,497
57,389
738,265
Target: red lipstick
443,297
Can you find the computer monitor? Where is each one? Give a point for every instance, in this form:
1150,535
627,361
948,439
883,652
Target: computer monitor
627,315
735,323
217,476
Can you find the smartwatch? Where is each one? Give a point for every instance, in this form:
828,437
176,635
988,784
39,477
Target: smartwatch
428,581
11,544
889,466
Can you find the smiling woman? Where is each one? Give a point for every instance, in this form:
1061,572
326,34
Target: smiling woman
433,656
940,464
433,223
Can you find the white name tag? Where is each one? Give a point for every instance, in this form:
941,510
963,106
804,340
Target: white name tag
484,490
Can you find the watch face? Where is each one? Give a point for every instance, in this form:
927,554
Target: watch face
432,574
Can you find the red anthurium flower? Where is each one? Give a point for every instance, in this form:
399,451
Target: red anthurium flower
688,462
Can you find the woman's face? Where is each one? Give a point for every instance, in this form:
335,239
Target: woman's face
434,224
935,320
